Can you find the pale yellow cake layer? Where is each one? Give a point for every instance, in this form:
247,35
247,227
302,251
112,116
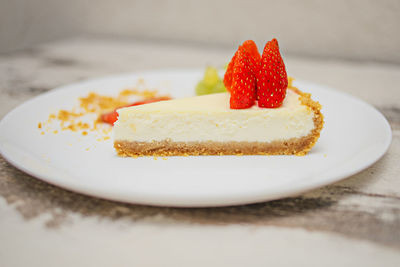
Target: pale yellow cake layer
209,118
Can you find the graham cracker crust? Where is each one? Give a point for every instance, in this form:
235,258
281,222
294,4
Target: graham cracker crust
295,146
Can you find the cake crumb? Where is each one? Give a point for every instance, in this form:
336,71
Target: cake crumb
84,117
52,117
164,158
42,133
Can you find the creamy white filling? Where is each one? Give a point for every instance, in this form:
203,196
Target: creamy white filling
209,118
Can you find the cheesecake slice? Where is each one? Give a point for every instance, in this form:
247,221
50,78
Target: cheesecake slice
206,125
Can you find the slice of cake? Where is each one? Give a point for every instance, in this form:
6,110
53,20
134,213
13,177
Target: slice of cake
262,114
206,125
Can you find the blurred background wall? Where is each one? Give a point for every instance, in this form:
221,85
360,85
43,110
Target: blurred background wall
346,29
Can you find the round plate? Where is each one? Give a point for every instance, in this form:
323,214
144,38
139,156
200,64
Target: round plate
355,136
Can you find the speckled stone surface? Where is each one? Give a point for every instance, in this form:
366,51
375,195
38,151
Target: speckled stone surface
353,222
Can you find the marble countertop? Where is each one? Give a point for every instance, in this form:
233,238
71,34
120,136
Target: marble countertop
349,223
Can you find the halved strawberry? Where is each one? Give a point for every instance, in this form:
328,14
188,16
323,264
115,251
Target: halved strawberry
243,88
229,72
272,79
251,48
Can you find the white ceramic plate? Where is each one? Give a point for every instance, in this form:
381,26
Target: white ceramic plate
355,136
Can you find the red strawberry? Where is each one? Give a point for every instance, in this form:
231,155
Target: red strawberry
251,48
109,117
243,88
272,79
228,73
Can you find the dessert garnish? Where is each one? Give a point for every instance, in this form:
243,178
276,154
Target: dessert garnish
243,86
250,77
250,48
211,83
272,80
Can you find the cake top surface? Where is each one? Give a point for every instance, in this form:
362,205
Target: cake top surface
211,103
